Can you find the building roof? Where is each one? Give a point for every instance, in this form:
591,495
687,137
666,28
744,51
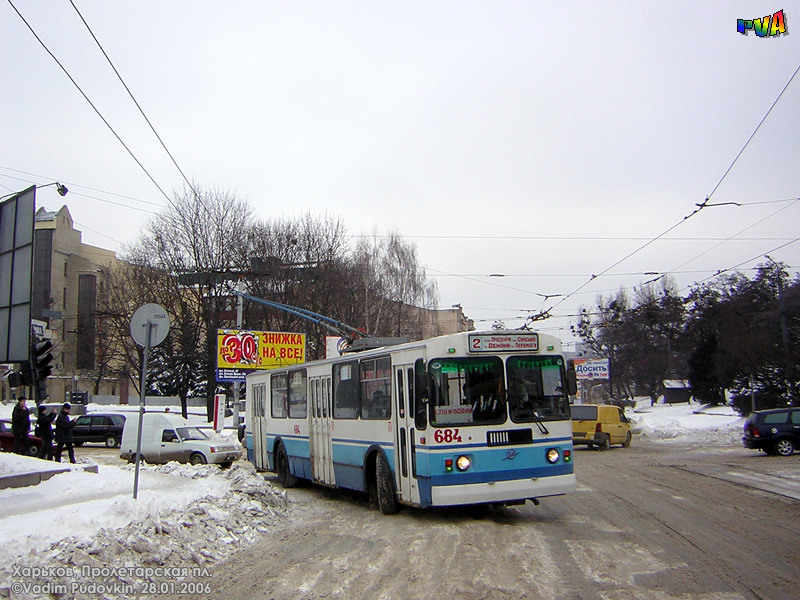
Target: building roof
43,215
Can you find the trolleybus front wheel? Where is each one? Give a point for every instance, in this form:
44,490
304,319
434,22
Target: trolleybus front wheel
384,482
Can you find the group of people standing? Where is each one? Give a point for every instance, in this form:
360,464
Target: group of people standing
21,425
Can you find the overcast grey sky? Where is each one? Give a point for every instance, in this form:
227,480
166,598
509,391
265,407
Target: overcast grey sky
540,141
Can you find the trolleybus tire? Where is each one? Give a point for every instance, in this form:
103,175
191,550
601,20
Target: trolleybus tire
384,482
285,477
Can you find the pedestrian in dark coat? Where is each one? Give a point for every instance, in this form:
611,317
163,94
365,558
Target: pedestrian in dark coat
64,434
21,426
44,429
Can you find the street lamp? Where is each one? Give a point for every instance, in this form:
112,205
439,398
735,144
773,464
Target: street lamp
60,188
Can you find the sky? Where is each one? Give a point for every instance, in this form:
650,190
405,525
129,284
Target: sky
537,154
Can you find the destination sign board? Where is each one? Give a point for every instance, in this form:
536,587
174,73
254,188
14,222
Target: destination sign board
504,342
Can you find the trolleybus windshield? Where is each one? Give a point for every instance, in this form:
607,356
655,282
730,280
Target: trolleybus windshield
467,391
536,389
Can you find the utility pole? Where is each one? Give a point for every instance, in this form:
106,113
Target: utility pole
237,384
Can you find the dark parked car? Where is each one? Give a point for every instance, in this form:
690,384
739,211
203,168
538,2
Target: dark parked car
774,431
7,439
100,428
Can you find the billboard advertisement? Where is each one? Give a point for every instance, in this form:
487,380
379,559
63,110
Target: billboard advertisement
240,352
16,275
591,368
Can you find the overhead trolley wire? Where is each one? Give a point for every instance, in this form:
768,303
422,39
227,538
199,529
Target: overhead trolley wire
138,106
73,184
752,135
699,207
96,110
675,270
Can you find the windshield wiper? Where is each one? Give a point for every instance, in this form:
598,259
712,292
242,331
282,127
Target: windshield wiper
540,425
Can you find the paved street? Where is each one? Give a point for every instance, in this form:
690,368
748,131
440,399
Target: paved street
656,521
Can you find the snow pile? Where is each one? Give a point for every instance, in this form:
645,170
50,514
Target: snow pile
686,423
181,531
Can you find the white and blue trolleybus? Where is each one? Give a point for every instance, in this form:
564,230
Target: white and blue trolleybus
465,419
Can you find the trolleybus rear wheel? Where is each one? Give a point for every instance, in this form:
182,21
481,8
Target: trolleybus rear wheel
282,468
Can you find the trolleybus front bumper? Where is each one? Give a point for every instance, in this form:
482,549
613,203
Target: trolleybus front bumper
503,491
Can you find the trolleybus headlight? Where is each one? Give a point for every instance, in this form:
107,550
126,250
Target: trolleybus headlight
462,463
553,456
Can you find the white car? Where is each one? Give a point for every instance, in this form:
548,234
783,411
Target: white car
168,437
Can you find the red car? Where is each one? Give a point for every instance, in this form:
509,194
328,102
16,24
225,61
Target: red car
7,439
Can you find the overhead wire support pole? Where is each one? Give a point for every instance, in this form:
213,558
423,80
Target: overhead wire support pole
236,384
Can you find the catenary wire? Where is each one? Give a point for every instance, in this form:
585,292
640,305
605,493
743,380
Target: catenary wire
138,106
72,184
675,270
96,110
699,207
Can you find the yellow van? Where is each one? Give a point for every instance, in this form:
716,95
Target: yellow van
600,425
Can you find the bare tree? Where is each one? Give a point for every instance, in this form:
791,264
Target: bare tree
393,285
204,232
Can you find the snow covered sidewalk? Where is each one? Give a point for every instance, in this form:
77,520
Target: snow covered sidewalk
20,471
71,529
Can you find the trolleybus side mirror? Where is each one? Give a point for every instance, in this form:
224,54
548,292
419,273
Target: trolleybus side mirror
572,382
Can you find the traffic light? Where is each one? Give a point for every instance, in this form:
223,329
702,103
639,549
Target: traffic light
22,377
41,367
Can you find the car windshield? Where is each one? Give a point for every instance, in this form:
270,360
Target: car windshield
536,388
467,391
584,413
191,433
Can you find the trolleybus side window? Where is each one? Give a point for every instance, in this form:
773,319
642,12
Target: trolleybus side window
467,391
376,388
298,390
536,388
256,403
345,390
279,395
325,398
401,397
420,395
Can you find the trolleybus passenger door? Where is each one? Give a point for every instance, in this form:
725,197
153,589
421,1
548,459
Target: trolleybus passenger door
317,441
257,412
327,431
321,445
405,470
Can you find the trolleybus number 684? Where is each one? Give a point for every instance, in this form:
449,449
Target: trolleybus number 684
446,436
